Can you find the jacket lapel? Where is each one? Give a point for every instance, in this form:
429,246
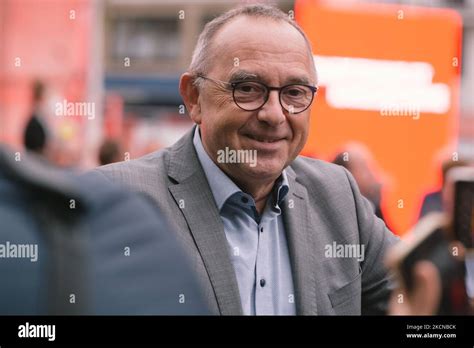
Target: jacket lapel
192,192
300,239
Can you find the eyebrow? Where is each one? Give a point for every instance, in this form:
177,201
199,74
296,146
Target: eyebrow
243,75
298,80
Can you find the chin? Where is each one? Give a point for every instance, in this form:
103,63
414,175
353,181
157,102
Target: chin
264,170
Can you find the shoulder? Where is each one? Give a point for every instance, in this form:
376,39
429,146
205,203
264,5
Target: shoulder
314,172
313,165
135,166
139,173
154,171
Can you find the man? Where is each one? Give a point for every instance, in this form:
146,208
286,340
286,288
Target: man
273,233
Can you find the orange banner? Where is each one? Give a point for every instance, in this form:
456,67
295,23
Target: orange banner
389,78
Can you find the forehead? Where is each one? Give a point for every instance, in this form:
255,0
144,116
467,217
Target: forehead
274,50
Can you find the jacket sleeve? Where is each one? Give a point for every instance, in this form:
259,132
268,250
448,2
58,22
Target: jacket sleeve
377,282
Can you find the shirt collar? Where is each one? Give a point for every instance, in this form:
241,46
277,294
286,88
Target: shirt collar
222,186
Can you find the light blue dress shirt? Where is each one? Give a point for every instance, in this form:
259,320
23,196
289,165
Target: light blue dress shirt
257,244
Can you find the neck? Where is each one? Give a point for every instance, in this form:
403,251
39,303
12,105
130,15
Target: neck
259,190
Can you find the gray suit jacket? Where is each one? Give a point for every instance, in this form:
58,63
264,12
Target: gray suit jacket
323,206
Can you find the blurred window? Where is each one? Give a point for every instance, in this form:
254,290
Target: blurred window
146,39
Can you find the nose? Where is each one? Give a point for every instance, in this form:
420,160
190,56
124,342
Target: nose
272,112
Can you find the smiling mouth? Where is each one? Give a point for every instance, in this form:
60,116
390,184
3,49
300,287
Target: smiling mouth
263,139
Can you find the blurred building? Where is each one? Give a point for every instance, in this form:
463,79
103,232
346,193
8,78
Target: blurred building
125,57
148,45
46,41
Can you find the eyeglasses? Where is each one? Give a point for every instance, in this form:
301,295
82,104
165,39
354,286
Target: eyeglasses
252,95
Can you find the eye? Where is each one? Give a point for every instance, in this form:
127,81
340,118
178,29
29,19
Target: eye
295,92
249,88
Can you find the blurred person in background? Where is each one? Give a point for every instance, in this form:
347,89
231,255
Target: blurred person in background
80,245
110,152
358,160
433,201
36,136
49,135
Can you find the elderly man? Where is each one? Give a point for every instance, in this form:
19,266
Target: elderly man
270,232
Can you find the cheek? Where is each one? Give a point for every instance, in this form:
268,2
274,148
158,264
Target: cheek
219,112
221,101
300,128
220,128
217,99
223,118
214,113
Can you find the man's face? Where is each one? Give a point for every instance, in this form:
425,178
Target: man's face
277,55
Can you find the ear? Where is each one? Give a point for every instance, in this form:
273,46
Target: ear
190,94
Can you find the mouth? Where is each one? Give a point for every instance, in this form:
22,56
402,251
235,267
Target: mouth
263,139
265,144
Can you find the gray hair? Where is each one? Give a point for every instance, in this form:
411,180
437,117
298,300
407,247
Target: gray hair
201,60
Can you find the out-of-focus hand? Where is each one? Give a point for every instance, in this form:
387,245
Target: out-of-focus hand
425,296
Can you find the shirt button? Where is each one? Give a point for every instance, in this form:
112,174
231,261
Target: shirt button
261,229
262,282
244,200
